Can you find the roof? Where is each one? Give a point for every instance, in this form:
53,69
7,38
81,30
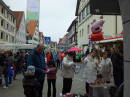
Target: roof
31,26
111,40
19,15
7,8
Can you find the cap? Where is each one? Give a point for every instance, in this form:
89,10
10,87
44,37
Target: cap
31,69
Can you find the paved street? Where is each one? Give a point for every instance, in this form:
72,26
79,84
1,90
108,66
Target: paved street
17,90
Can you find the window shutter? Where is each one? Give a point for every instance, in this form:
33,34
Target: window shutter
5,24
0,34
5,13
5,36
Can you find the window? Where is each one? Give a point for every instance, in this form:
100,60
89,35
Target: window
2,22
7,37
13,20
7,26
73,27
80,17
88,9
13,30
83,14
66,41
101,17
2,35
7,15
88,29
12,38
82,32
2,10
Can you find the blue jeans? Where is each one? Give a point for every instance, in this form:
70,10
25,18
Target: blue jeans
61,64
21,68
6,80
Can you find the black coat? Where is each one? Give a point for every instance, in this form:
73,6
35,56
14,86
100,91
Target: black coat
118,64
31,86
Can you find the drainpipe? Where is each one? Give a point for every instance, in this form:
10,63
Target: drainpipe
116,23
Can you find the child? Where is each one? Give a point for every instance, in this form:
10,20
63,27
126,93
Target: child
99,79
51,78
30,84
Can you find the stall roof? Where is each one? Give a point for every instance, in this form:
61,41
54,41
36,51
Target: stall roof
111,40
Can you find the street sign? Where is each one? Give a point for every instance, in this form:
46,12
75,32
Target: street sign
47,39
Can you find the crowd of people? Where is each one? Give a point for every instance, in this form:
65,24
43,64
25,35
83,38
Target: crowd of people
100,67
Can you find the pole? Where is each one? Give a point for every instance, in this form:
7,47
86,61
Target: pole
125,13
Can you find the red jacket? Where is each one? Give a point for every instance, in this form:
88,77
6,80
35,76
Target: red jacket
48,57
52,74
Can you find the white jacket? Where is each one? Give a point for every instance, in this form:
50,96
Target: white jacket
90,70
106,69
68,69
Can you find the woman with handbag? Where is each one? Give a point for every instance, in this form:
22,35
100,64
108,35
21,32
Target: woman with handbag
91,68
7,65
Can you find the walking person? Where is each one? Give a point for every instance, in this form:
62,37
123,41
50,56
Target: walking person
9,60
87,52
106,68
62,55
54,57
90,70
68,72
118,68
79,56
20,61
111,54
48,57
38,61
51,78
57,59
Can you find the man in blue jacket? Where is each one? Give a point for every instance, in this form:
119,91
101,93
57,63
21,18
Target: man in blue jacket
38,61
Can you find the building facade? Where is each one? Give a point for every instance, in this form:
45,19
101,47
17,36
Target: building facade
21,31
73,33
112,25
64,43
7,24
33,32
41,38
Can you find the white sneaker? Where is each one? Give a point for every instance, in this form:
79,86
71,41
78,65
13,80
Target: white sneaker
10,84
5,87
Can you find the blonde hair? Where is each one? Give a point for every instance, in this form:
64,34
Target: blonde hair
98,56
22,51
29,73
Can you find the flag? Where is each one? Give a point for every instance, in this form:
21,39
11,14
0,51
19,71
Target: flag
32,10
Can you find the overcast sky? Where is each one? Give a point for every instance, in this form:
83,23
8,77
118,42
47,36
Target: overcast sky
55,15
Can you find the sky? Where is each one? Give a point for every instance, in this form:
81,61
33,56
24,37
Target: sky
55,15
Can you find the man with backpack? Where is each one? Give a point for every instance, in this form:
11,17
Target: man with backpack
37,60
20,61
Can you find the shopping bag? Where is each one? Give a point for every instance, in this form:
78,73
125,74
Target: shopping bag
10,71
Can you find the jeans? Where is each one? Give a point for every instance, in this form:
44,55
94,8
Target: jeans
118,80
6,80
61,64
40,91
53,81
21,68
67,84
58,63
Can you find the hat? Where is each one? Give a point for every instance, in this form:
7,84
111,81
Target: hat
31,69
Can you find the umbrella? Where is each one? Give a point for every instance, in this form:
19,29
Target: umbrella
74,49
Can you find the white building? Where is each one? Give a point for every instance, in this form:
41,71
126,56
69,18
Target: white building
21,27
112,25
7,24
33,32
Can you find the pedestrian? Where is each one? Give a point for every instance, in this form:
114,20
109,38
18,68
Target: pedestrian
9,59
68,72
51,56
118,68
20,61
51,78
79,56
99,79
101,53
87,52
38,61
57,58
90,70
74,58
62,55
106,68
111,54
15,59
54,57
30,83
48,57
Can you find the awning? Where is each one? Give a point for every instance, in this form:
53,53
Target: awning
111,40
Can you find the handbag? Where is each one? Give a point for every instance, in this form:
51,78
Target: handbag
10,71
14,68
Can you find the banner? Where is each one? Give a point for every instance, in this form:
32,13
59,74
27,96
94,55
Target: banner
32,10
